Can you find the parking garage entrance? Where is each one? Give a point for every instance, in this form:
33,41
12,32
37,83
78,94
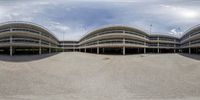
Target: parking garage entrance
25,51
113,50
195,50
185,50
161,50
29,50
166,50
135,50
4,50
152,50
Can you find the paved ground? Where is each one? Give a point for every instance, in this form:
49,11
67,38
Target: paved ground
80,76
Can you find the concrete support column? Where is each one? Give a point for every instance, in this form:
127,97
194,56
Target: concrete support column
11,51
174,50
103,50
97,50
73,48
158,50
40,42
11,48
40,48
49,50
98,47
124,50
49,47
40,51
85,50
189,50
189,46
145,45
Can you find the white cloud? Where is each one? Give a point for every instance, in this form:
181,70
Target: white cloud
181,12
65,32
176,32
61,27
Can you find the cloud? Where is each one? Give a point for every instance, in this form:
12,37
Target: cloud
181,12
74,18
176,32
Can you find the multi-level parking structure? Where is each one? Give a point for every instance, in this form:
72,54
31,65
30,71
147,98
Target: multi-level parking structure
68,46
29,38
26,38
127,40
190,41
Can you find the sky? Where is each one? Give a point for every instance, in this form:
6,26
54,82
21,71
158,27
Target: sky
72,19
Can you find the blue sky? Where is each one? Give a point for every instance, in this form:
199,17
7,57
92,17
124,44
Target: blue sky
75,18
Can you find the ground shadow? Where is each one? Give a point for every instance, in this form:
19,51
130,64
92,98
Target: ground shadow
192,56
24,58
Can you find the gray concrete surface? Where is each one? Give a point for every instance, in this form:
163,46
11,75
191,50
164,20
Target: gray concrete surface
80,76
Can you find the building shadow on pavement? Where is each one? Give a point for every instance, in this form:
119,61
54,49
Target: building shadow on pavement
25,58
192,56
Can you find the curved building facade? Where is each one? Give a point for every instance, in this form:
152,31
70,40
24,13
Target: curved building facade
126,40
30,38
190,41
26,38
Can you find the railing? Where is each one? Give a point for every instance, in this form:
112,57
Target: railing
135,33
25,40
26,30
114,31
195,33
5,41
4,30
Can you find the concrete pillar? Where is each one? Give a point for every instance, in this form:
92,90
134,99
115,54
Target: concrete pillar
145,45
11,48
11,39
73,49
11,51
103,50
63,49
49,47
40,51
124,50
49,50
174,50
189,50
158,50
189,46
97,50
85,50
